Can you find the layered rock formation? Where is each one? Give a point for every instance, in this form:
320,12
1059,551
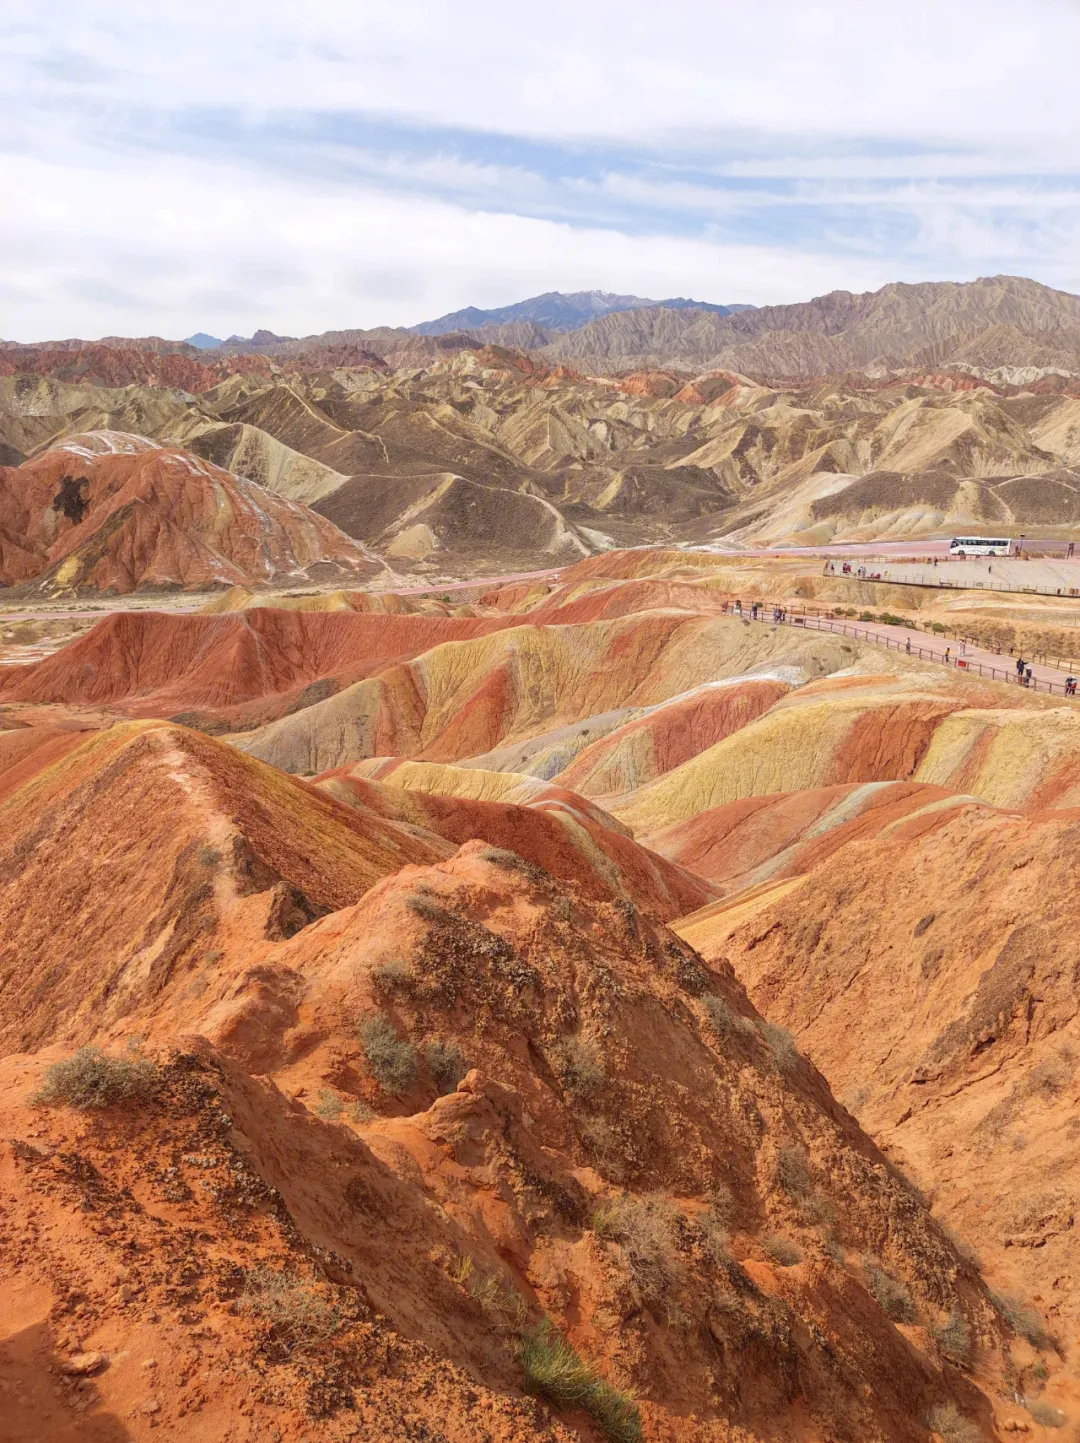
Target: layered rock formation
429,1100
111,512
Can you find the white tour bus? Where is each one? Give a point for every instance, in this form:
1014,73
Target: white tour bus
980,546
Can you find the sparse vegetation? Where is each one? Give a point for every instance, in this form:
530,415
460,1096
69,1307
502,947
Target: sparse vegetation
793,1172
328,1105
512,862
294,1308
361,1111
723,1019
496,1297
947,1419
891,1295
392,976
782,1250
954,1339
446,1063
645,1228
1045,1414
781,1044
207,856
90,1079
430,911
553,1370
1023,1319
394,1062
580,1065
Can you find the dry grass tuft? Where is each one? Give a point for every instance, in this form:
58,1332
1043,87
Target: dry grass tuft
782,1250
580,1065
394,1062
294,1308
645,1227
446,1063
90,1079
554,1371
891,1295
947,1419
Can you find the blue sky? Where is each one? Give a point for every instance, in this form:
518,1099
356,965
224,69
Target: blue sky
190,166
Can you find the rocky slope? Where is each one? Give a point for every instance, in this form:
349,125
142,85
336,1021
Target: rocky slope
111,512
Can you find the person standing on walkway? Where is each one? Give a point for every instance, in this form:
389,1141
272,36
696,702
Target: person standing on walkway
907,646
1027,676
1070,686
948,654
1071,550
1020,664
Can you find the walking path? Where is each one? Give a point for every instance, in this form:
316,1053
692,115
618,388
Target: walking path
1042,576
979,661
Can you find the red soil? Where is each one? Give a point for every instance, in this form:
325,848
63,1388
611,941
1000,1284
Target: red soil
115,513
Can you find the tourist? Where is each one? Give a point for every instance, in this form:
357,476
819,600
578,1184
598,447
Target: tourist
1027,676
948,654
1020,664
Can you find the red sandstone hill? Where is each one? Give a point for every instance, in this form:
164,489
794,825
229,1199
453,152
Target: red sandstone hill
117,513
101,364
378,1153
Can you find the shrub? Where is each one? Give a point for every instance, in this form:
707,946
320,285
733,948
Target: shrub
89,1079
581,1066
394,1063
645,1228
392,976
793,1172
723,1019
361,1111
207,856
947,1419
446,1063
782,1250
954,1339
553,1370
296,1311
781,1044
328,1105
1044,1413
428,910
1022,1319
512,862
891,1295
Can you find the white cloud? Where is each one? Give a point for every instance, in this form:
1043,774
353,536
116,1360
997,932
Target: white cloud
235,250
180,166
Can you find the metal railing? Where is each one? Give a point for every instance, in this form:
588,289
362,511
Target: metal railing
931,578
812,621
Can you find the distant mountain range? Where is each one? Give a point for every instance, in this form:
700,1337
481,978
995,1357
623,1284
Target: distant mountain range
555,311
1005,328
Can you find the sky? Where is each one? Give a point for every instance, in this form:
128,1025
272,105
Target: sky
174,167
